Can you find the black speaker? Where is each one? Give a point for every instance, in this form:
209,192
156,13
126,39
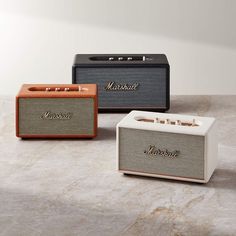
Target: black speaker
126,82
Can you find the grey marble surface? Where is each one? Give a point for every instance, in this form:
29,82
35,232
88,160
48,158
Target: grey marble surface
71,187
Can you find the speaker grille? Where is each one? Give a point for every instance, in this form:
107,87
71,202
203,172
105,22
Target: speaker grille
151,92
189,163
81,121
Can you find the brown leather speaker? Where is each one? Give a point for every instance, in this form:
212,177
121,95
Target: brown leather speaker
56,111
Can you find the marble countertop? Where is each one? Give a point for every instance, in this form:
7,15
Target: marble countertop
71,187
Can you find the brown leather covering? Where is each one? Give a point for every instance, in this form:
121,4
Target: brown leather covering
38,91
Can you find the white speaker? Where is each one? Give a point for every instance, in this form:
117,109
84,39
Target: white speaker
167,146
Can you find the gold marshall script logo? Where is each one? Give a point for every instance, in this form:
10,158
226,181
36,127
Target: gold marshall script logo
48,115
153,151
113,86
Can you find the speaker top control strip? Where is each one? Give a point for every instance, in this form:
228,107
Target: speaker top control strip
59,89
191,123
120,58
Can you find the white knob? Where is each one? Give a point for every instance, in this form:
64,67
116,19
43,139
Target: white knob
167,121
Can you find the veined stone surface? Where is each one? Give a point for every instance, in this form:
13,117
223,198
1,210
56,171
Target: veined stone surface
72,187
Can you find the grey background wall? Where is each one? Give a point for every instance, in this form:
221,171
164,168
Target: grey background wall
38,39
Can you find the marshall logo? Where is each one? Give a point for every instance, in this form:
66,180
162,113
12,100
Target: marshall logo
48,115
153,151
113,86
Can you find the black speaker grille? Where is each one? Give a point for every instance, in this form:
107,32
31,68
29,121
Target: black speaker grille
151,92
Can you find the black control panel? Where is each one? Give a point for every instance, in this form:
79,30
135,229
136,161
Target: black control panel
120,58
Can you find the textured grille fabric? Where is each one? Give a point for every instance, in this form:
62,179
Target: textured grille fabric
189,163
31,110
